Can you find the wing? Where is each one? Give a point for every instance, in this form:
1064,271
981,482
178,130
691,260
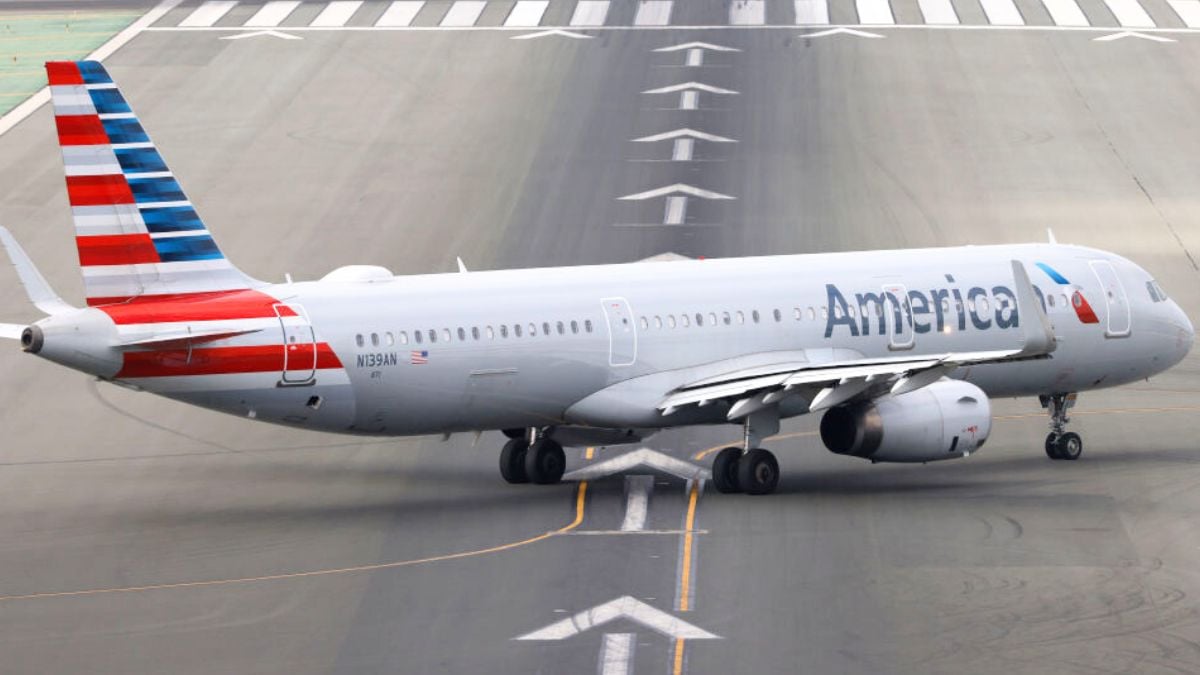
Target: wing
834,383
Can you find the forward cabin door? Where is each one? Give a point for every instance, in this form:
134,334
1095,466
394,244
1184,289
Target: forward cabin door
622,332
299,345
897,314
1114,298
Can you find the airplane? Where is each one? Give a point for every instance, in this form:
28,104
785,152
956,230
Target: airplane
900,351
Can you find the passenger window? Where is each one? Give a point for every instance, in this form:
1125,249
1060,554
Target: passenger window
824,313
849,310
358,340
517,330
417,336
587,325
726,319
388,339
374,339
491,334
837,311
1050,299
778,315
981,305
1065,302
797,313
545,328
671,320
685,321
559,326
812,314
699,319
403,337
474,332
574,327
754,316
462,334
712,319
503,330
645,323
741,317
446,334
432,335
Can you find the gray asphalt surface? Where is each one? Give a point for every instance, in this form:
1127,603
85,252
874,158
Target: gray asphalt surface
407,149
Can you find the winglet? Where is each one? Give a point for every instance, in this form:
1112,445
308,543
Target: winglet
1035,325
462,268
40,294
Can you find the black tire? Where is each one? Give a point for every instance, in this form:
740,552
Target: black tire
1052,447
758,472
724,470
515,433
545,462
1070,446
512,461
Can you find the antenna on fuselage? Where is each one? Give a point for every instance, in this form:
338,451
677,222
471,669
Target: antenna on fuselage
462,268
1050,235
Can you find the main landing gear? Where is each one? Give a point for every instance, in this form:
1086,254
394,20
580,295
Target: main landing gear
531,458
1061,444
749,469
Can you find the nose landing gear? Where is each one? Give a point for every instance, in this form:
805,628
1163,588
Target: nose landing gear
1061,444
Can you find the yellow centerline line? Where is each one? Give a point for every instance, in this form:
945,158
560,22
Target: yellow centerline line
685,576
579,513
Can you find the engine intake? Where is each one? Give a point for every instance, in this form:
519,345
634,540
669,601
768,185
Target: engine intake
944,420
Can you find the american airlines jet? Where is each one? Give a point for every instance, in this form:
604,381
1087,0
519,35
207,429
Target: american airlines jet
899,351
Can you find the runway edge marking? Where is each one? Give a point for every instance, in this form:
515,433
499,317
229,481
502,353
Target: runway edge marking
42,96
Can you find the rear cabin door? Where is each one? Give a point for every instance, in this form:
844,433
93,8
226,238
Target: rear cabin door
622,332
1114,298
299,345
897,313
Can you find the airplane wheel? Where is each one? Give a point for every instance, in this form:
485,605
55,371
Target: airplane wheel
724,470
1070,446
1052,447
545,462
512,461
758,472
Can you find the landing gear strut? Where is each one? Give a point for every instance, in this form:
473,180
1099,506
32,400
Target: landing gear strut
1061,444
749,469
532,458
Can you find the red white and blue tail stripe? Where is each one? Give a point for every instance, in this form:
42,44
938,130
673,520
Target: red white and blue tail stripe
138,235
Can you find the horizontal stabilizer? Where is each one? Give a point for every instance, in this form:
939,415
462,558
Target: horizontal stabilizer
36,287
181,339
12,331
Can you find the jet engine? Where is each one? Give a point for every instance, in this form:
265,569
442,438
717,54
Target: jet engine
944,420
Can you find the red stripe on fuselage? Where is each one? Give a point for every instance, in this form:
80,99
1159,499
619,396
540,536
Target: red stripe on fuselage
80,130
224,361
63,72
211,306
98,190
116,249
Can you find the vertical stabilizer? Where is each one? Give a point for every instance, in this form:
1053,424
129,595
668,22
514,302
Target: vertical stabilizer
138,235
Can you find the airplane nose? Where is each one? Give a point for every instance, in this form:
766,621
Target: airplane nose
1187,333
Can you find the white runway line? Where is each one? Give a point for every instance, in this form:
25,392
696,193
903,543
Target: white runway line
1130,14
874,12
812,12
401,13
590,13
747,13
208,13
272,13
1002,13
682,151
1066,12
617,653
676,210
336,13
653,13
464,13
637,500
527,13
939,12
1188,11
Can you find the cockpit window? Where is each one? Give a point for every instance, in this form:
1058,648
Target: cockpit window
1157,294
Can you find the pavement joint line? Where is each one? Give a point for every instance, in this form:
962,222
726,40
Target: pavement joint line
580,505
793,27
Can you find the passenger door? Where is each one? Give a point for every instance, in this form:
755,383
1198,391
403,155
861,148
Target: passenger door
1119,319
897,313
622,332
299,346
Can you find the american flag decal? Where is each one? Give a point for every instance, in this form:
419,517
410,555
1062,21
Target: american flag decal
419,357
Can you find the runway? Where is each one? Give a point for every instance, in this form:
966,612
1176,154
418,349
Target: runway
139,535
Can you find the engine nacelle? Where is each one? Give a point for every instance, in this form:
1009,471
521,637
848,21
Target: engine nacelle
944,420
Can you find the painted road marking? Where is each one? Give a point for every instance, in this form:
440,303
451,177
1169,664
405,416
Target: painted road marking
684,133
874,12
552,31
678,188
616,654
676,210
463,13
938,12
682,151
259,33
653,13
699,45
527,13
337,13
625,607
1130,14
208,13
1188,11
400,13
637,502
747,13
1002,13
642,457
590,13
272,13
685,572
812,13
1131,34
1066,12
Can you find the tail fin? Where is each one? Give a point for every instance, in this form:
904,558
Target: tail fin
137,233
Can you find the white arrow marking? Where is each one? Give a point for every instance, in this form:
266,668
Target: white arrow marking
697,45
616,654
684,133
257,33
624,607
556,31
842,31
689,86
674,189
1132,34
641,457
